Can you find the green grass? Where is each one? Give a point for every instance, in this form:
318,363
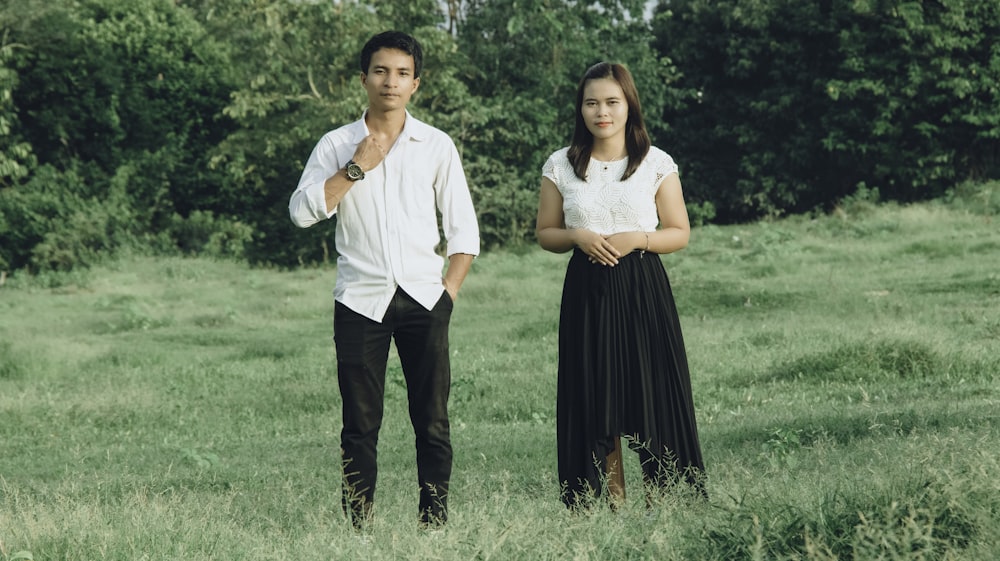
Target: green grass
845,373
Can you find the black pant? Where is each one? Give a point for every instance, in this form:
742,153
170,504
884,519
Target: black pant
362,351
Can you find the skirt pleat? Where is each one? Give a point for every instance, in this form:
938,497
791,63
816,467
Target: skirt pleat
622,372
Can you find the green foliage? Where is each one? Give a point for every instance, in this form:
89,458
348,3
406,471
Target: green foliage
16,158
51,224
780,450
979,198
150,74
745,124
793,105
124,97
202,233
915,95
186,117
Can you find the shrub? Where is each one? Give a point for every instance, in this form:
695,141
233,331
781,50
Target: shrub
203,233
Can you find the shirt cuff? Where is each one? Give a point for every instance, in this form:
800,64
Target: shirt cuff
316,193
468,246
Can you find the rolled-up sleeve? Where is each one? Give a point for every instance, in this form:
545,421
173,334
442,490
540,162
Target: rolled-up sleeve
458,215
307,205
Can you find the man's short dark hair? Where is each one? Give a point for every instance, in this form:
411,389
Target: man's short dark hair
393,40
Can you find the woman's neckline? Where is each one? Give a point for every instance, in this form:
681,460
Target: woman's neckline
608,163
614,161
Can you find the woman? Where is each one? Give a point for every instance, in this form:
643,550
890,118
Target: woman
622,366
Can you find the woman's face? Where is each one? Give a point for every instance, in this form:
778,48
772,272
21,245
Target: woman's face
604,110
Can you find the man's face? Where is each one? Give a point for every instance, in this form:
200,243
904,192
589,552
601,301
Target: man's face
389,81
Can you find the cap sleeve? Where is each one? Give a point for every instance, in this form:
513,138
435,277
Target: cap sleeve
665,166
549,169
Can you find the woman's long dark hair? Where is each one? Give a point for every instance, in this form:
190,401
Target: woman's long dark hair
636,138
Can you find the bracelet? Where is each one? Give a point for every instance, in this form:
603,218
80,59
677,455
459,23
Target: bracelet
643,252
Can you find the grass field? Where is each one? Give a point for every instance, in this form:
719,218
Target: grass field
846,373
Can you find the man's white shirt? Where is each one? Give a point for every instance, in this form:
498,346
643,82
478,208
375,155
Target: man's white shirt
387,226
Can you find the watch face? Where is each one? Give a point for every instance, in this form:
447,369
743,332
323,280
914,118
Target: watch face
354,171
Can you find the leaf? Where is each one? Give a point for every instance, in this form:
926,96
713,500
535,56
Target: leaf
515,25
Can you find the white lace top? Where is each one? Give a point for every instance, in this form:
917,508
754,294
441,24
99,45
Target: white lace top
604,203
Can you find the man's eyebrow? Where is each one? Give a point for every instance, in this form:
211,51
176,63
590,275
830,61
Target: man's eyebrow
399,68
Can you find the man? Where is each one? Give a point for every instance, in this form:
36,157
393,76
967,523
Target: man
386,176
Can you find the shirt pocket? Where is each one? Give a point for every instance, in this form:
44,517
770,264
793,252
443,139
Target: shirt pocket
417,193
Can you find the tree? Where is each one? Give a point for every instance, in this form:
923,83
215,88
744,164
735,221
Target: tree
793,105
119,103
754,94
914,97
16,157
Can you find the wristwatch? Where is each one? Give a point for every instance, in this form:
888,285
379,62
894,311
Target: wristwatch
354,171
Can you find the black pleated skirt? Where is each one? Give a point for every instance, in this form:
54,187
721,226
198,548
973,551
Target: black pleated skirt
622,372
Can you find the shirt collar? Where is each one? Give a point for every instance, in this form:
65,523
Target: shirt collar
413,128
